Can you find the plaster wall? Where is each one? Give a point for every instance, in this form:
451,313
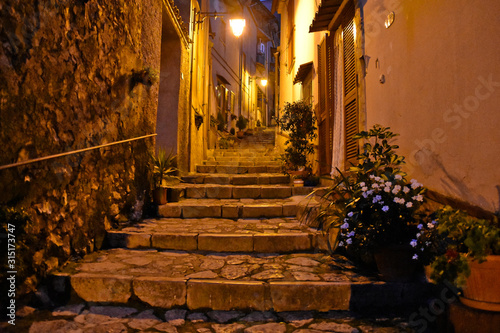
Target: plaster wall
439,60
305,51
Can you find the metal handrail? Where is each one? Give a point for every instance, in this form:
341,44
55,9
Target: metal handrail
73,152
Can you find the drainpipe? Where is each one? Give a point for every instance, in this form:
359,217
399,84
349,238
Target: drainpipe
190,104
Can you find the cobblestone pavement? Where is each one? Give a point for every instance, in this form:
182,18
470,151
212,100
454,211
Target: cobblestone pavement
85,318
180,264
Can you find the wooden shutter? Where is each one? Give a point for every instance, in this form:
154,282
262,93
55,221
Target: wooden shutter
351,120
325,151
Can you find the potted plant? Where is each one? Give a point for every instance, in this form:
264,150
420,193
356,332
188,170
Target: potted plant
241,123
468,255
374,208
298,121
163,174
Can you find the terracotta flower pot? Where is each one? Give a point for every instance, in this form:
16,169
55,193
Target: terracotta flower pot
395,263
160,195
483,285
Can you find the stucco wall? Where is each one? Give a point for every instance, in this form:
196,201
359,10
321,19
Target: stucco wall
441,91
66,83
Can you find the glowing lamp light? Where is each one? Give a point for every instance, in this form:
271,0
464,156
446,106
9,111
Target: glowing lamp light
263,82
237,26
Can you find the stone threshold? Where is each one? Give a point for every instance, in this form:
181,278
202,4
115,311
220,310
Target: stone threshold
169,279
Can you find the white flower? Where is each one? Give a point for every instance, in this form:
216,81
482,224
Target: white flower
430,225
413,242
350,214
371,176
341,243
377,179
409,204
344,226
418,197
351,234
364,189
362,184
385,208
375,185
387,189
418,235
415,184
420,226
348,241
406,189
398,177
399,200
415,257
396,189
388,184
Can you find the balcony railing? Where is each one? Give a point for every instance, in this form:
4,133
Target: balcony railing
261,59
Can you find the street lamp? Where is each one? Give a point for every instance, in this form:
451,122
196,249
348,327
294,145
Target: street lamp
263,82
237,25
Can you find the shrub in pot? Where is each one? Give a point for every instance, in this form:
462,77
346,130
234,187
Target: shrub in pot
298,121
241,123
163,170
469,258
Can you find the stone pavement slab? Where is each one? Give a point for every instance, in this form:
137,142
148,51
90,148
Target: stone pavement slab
89,319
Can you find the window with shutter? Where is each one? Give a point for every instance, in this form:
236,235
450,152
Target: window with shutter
350,92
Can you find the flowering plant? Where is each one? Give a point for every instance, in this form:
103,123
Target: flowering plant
374,205
381,212
450,241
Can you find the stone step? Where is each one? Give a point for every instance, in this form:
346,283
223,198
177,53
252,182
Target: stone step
216,191
235,179
243,153
221,282
278,235
243,162
234,169
232,208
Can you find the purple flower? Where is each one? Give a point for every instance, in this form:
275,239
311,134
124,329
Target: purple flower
413,242
385,208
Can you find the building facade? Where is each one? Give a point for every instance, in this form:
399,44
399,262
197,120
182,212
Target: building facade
424,69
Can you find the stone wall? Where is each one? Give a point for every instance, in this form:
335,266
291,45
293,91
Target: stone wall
76,74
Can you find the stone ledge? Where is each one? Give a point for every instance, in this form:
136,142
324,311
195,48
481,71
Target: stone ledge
304,296
227,295
160,292
102,288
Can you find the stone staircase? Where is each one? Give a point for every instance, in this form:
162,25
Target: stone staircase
232,242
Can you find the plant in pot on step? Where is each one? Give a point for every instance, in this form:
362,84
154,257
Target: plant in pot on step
470,257
374,209
241,123
298,121
164,169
